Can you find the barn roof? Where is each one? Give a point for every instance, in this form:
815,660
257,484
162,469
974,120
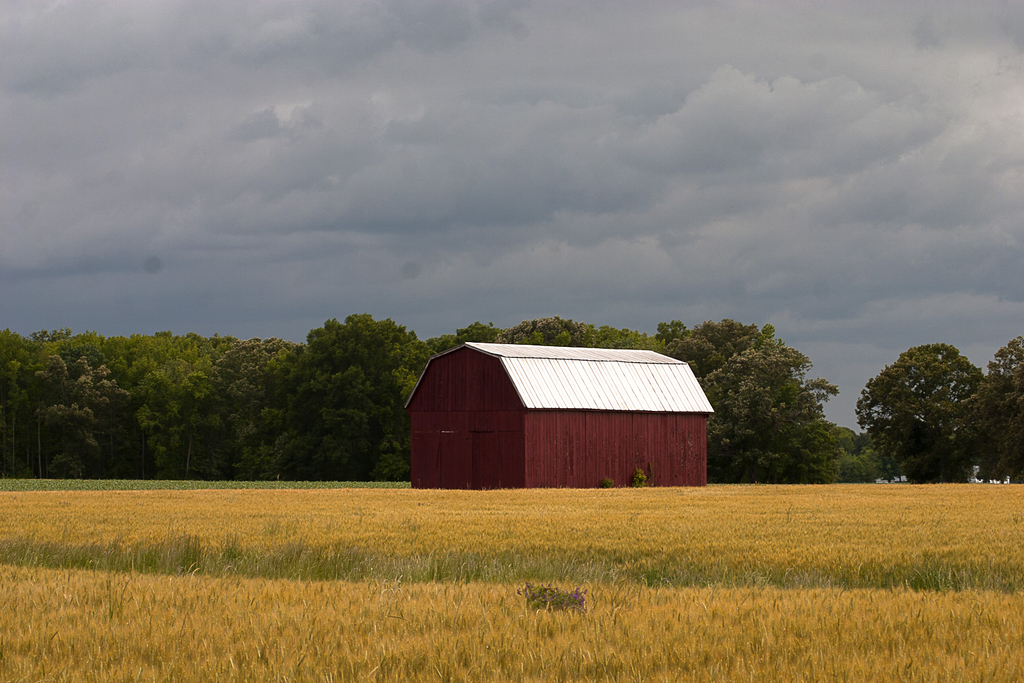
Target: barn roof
570,378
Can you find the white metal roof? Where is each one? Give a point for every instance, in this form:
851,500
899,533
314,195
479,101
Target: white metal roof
571,353
570,378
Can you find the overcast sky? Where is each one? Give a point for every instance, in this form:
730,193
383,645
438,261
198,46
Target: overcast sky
850,172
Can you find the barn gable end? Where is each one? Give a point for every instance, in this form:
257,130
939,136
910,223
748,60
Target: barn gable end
505,416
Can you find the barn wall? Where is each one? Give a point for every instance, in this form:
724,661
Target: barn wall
467,425
579,448
468,449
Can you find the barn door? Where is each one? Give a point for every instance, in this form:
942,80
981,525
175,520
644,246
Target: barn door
454,460
487,467
426,448
498,460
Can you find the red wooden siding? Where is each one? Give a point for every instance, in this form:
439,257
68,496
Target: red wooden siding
461,458
579,448
467,425
465,380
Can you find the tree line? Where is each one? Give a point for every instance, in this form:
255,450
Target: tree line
332,408
938,416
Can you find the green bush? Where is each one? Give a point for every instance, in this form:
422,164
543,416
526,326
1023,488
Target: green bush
639,478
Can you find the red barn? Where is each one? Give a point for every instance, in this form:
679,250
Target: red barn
508,416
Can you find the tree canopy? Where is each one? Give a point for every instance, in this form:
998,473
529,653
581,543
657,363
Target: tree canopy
546,332
916,411
998,412
177,406
168,406
477,332
347,389
768,424
710,345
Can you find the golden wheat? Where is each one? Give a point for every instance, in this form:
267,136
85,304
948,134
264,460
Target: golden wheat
80,625
852,536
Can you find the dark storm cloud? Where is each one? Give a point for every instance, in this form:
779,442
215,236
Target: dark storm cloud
850,174
59,46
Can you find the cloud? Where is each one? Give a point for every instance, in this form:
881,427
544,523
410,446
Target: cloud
254,168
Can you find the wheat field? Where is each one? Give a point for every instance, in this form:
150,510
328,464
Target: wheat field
840,583
80,625
929,537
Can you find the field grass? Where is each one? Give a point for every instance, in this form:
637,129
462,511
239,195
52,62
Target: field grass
183,485
61,625
934,537
855,583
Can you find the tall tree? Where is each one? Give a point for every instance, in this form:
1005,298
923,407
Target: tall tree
558,331
710,345
554,331
476,332
607,337
671,331
768,424
18,365
348,387
137,363
859,462
247,377
916,411
179,410
82,404
998,411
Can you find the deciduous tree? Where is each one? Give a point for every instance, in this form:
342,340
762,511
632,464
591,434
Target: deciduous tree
83,403
999,413
916,411
554,331
348,388
249,380
710,345
768,424
859,462
18,365
476,332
